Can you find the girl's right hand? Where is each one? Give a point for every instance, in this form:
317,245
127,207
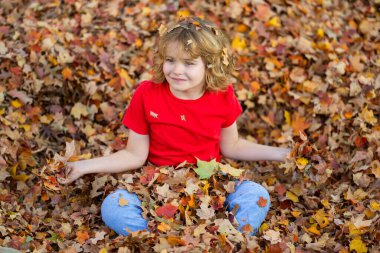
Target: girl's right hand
73,172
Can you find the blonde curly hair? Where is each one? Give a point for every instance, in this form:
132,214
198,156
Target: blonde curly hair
198,38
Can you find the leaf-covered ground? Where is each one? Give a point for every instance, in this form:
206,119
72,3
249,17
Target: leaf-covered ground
308,78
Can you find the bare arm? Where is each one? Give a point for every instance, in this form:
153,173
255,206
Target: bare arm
132,157
239,149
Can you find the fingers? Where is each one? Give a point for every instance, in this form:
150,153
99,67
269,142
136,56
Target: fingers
68,175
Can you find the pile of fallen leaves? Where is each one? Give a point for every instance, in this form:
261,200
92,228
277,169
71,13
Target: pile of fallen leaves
308,77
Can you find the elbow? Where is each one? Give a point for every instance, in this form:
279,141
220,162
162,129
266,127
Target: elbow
231,150
226,152
141,162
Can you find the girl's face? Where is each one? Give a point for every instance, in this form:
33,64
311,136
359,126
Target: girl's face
185,75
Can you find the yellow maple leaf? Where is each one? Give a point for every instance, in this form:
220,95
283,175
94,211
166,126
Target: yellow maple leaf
125,77
320,33
26,127
18,177
163,227
325,203
290,195
274,22
183,13
16,103
296,214
103,250
375,205
238,43
321,217
313,229
354,231
263,227
358,245
302,162
287,117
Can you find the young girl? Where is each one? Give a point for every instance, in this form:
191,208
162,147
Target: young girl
188,111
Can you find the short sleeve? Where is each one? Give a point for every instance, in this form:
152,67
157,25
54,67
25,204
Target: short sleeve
134,117
233,107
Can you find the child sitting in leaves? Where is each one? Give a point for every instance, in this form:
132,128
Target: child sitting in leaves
187,112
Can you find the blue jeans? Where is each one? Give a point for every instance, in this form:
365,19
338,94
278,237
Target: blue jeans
123,219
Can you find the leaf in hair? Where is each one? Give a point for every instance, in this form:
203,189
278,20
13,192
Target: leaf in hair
225,56
162,29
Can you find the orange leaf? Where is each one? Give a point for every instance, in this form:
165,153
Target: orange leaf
262,202
82,237
45,196
67,74
123,202
247,228
168,210
175,240
26,158
163,227
299,123
255,87
191,202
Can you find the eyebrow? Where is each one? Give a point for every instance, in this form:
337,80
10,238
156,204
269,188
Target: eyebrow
185,59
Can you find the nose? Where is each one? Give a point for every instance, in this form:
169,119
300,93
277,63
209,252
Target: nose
178,69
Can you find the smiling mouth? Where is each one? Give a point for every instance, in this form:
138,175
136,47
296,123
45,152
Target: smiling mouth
178,79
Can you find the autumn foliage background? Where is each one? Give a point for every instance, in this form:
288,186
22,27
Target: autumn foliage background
308,78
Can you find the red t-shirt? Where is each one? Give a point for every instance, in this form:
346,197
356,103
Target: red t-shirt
180,129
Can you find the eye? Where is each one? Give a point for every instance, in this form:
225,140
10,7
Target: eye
189,63
169,59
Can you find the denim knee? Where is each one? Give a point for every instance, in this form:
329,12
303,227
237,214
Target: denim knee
246,196
123,219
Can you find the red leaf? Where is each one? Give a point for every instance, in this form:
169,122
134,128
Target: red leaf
16,71
361,142
275,248
118,143
280,189
262,202
148,174
247,228
167,210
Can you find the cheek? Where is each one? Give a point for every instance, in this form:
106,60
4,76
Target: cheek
166,68
199,72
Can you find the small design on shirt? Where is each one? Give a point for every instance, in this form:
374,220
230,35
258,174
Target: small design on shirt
183,118
154,115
